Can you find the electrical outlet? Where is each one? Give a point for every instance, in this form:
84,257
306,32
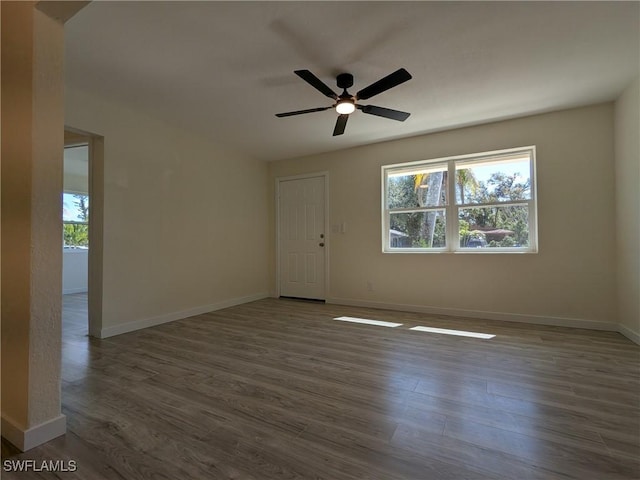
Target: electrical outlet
370,286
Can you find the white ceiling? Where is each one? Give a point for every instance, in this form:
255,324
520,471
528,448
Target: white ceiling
225,68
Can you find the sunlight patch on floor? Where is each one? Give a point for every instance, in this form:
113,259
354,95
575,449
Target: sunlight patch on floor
378,323
460,333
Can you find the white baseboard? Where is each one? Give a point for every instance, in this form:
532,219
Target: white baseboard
34,436
456,312
630,334
170,317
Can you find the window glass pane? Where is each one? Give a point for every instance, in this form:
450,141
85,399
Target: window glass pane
75,207
490,181
417,229
497,226
417,188
75,235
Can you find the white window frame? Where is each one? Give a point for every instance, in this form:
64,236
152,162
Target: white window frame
452,208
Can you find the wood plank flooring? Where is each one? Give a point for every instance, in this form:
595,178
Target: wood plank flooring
277,389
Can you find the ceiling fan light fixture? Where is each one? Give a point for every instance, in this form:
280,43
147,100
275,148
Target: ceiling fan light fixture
346,103
345,106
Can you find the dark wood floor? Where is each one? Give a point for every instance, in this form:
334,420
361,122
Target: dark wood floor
277,389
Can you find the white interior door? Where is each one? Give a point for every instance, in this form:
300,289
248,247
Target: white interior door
301,205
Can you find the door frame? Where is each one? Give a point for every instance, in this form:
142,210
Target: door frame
96,226
327,248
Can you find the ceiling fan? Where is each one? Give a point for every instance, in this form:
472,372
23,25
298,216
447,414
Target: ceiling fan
347,103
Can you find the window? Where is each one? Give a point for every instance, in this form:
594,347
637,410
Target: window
472,203
75,220
75,201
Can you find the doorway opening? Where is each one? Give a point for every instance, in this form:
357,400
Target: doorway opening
82,220
75,236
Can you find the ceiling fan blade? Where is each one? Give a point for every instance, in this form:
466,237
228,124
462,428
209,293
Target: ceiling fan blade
384,112
300,112
341,123
392,80
316,83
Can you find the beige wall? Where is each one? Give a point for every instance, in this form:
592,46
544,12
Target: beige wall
627,155
17,41
185,221
76,172
46,212
32,142
572,276
75,183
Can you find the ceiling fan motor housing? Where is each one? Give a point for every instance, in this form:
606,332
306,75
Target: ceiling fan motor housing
345,80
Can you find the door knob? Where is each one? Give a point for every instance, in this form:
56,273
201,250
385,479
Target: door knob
321,244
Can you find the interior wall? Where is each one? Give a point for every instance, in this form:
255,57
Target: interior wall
185,221
76,181
32,143
627,156
571,278
17,113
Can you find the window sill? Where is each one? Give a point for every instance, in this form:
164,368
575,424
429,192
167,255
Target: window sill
471,251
